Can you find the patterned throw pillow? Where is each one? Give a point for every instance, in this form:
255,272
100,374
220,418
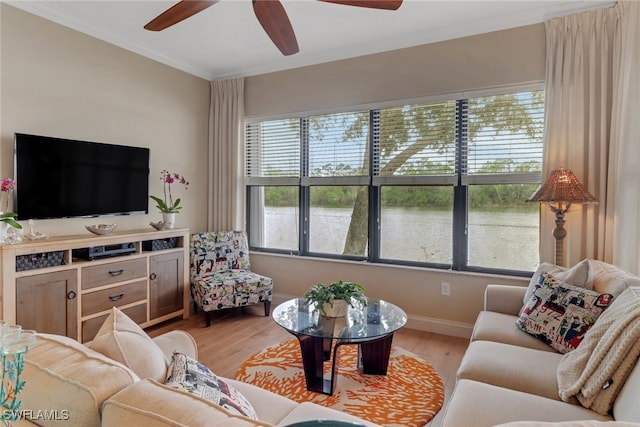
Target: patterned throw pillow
190,376
580,274
560,314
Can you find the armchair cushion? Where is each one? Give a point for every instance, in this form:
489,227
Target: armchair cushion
219,251
231,288
220,272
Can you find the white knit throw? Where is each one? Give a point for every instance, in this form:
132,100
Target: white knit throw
595,372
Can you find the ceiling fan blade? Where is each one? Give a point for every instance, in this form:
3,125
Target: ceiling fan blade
178,12
373,4
276,24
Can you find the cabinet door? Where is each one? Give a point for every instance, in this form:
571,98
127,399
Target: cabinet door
166,284
48,303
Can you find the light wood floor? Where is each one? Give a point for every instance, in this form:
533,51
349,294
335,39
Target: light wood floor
236,334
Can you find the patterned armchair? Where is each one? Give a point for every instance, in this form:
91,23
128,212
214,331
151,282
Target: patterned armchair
221,276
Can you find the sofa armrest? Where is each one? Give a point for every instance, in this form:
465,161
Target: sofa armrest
506,299
177,341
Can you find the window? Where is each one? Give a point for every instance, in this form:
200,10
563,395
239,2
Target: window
441,184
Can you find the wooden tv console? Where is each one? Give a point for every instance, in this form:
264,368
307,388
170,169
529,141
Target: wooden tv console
66,285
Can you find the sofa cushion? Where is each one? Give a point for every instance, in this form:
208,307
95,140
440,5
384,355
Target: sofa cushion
512,367
580,274
269,407
626,406
67,378
560,314
611,279
121,339
151,404
481,405
499,327
177,340
190,376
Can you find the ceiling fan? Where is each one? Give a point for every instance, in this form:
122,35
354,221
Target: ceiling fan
270,14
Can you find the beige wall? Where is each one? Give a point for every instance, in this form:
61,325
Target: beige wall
504,58
416,290
59,82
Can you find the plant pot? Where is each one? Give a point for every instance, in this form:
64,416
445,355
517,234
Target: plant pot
337,308
168,219
3,231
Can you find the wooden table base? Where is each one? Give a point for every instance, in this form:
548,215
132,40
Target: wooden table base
373,358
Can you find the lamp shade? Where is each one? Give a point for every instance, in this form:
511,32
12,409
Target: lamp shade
562,186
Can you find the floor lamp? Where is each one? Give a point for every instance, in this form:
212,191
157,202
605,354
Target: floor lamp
559,191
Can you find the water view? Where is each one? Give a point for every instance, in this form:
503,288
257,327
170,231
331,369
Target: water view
505,239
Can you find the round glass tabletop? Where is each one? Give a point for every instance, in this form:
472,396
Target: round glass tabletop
362,323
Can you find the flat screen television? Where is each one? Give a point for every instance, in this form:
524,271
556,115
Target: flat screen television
64,178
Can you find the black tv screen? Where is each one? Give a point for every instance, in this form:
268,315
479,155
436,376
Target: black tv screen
64,178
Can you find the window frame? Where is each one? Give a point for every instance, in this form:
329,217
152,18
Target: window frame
459,183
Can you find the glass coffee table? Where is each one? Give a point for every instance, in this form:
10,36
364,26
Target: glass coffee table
371,327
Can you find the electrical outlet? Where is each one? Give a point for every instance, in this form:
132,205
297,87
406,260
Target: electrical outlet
445,288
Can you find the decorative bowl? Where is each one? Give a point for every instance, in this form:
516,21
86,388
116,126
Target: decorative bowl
101,229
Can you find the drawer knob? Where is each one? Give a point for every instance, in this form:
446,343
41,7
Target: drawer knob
116,297
71,295
116,272
153,276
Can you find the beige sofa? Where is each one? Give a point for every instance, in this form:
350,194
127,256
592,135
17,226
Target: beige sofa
508,375
70,384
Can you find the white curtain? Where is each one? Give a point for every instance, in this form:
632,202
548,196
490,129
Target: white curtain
589,68
623,248
226,156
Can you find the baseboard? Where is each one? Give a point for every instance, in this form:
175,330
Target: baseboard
440,326
420,323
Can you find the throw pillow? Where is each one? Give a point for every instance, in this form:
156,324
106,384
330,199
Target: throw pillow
611,279
123,340
190,376
560,314
580,274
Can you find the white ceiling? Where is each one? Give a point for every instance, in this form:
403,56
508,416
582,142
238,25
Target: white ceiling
226,40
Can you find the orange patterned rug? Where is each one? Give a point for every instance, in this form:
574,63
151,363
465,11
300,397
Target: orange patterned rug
409,395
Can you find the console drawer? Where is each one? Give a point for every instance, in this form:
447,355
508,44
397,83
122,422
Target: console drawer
96,302
113,272
91,327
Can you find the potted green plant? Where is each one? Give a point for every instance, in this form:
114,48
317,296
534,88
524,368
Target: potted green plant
333,300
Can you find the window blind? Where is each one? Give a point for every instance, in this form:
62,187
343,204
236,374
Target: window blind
339,144
273,149
417,140
416,145
505,137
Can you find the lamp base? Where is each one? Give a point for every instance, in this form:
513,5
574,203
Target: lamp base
560,233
